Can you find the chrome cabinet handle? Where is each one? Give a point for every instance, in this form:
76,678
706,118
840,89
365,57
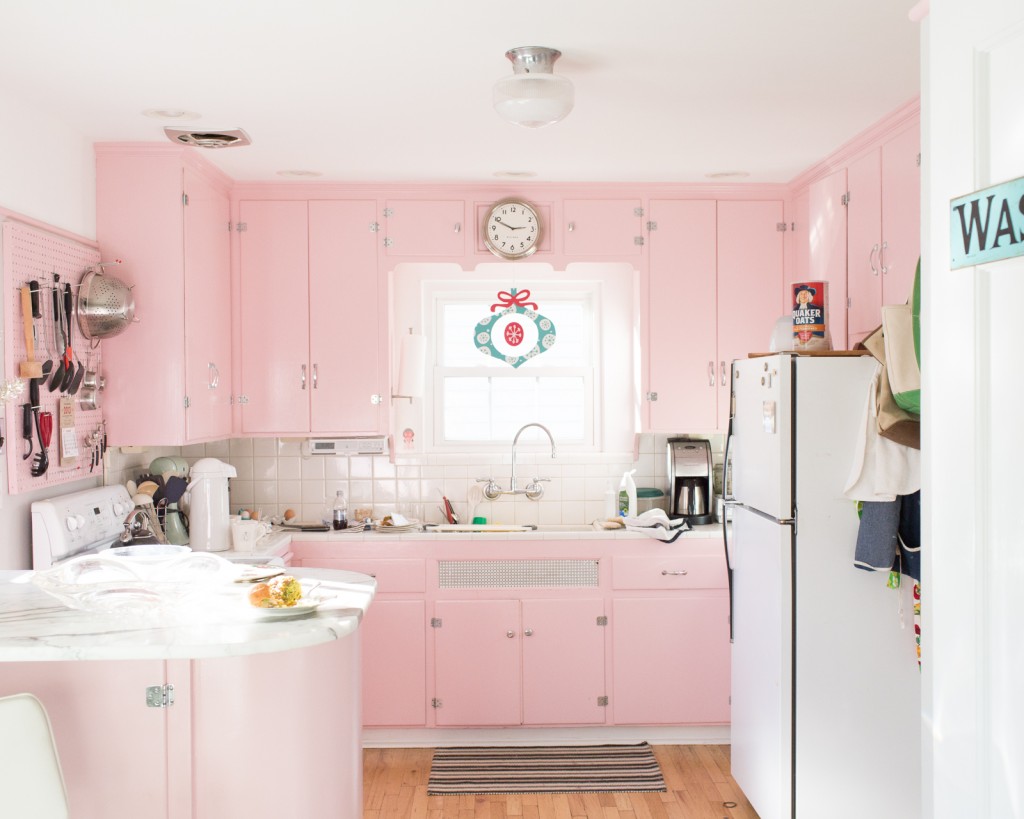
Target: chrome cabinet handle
711,373
881,258
528,632
510,634
723,373
214,380
676,573
314,376
572,226
871,260
303,376
458,227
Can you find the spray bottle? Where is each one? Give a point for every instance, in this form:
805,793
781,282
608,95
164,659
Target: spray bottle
628,488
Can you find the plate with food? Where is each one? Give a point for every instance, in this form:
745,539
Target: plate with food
283,597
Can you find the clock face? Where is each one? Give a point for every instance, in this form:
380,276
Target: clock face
512,229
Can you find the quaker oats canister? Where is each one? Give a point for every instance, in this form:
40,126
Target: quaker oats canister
810,316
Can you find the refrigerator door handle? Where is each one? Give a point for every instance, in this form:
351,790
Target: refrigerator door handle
728,499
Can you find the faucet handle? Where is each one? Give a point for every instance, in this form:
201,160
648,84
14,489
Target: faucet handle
491,491
534,490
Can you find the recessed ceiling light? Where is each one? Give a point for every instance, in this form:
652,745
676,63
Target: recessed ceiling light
515,174
728,175
299,173
171,113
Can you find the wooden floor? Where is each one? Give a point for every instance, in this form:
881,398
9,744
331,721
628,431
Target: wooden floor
697,777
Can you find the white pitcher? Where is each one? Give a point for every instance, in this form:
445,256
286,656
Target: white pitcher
209,524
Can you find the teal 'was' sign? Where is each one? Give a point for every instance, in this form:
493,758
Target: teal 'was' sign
988,225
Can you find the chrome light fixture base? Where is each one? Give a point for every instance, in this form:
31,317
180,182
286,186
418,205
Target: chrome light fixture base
533,96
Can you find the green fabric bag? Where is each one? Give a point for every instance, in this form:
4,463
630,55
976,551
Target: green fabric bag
902,329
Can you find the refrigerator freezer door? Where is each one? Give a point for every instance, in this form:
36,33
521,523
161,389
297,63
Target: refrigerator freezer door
762,652
761,446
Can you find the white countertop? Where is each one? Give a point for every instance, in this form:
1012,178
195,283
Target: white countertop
35,626
277,542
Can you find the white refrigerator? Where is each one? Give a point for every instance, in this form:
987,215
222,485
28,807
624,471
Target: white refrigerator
826,713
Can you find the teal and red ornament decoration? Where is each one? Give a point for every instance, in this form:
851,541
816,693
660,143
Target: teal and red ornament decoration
515,332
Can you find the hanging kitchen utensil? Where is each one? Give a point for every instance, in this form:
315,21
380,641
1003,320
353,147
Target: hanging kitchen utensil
29,368
69,362
106,305
37,313
58,335
26,428
42,459
46,428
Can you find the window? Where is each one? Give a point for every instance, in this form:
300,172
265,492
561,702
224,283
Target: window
585,388
482,399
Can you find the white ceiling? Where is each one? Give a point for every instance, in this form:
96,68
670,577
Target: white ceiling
386,90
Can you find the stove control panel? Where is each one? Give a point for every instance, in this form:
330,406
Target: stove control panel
69,524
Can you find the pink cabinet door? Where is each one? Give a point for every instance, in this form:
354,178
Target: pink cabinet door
207,310
425,228
827,249
602,227
901,214
671,660
563,661
274,359
681,345
750,250
477,662
864,243
394,663
113,749
345,307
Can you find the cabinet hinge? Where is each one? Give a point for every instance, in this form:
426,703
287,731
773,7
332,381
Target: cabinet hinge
638,211
436,703
376,399
160,696
652,396
844,200
184,198
188,402
243,399
388,241
602,620
435,622
241,227
388,212
231,400
638,240
919,160
652,226
374,227
849,303
602,701
781,227
230,226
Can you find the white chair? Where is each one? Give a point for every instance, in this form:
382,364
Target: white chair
31,783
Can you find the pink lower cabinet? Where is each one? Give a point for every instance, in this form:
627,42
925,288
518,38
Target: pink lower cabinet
519,662
670,637
393,637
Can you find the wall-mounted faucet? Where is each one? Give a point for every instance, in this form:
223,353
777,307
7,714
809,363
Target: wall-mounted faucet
533,490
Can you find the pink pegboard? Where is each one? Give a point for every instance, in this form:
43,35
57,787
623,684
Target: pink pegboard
32,253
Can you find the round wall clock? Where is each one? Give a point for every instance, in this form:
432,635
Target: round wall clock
512,229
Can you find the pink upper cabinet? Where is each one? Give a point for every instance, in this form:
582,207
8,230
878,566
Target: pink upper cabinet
608,228
827,248
425,228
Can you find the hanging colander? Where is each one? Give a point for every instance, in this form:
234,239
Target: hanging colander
106,305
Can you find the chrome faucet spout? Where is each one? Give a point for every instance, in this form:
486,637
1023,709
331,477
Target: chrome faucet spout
554,453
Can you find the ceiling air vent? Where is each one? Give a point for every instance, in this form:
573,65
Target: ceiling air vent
208,139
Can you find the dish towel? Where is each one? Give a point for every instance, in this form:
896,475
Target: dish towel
882,469
657,524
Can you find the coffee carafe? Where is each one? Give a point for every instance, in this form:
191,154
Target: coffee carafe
208,517
690,480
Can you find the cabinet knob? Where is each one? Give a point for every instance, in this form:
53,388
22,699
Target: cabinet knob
528,632
214,380
881,258
711,373
510,634
572,226
303,376
871,260
458,227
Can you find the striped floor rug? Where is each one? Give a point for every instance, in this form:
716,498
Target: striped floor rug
554,769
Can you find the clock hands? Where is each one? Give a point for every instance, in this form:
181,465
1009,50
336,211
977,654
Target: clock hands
510,227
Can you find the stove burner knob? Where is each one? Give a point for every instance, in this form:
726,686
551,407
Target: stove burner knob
72,523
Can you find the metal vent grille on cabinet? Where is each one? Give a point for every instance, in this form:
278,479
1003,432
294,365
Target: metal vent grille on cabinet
501,574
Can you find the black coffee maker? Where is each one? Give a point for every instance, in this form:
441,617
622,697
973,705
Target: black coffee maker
690,480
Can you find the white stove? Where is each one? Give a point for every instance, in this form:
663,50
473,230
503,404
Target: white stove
78,523
87,522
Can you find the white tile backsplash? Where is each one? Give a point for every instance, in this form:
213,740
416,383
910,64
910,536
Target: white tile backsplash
273,475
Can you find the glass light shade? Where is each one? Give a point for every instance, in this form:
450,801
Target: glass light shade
533,100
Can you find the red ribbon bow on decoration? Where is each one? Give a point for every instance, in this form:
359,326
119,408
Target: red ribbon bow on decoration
513,299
